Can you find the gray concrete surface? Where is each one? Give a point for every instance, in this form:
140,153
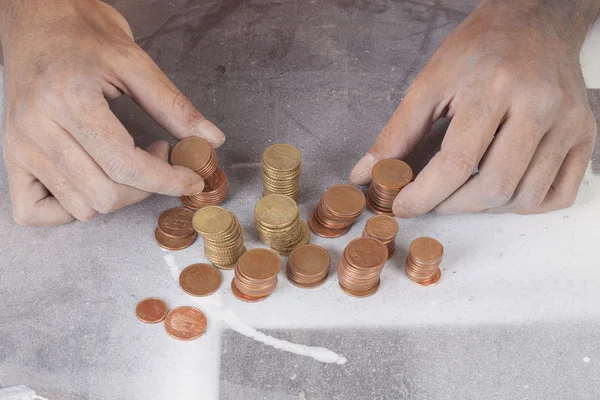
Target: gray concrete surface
516,315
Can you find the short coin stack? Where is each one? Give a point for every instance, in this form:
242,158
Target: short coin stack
256,275
360,266
222,233
383,228
308,266
389,177
175,230
281,168
198,155
423,261
278,223
338,209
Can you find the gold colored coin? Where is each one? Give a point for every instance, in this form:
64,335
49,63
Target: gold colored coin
212,220
281,157
276,211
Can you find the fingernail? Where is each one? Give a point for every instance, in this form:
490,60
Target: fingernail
196,187
361,173
210,132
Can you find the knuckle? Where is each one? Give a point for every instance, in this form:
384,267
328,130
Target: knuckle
107,202
22,215
498,191
566,200
460,162
119,167
86,214
531,198
502,76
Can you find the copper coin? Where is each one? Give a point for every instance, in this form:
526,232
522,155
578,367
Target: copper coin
259,264
200,279
193,153
426,249
344,200
241,296
185,323
320,230
366,253
309,260
365,293
392,173
169,243
176,222
430,281
151,310
382,227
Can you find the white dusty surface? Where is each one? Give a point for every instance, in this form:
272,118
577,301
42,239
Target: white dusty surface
69,294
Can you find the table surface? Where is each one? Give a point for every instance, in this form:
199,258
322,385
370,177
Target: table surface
516,314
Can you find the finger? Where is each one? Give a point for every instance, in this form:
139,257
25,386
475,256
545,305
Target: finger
107,141
563,192
407,126
31,202
500,170
99,191
159,97
541,173
466,140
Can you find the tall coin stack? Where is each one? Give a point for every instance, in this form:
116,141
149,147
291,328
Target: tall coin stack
222,233
281,168
423,261
278,223
338,209
308,266
383,228
198,155
388,178
255,275
360,266
175,230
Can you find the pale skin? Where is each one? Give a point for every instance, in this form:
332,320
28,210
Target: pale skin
508,75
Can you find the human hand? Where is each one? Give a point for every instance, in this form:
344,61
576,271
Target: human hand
67,155
509,77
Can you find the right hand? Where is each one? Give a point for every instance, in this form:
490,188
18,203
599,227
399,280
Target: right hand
67,155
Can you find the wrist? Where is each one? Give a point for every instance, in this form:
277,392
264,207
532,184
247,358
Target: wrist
568,21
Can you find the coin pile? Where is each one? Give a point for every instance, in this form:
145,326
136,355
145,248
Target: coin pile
215,191
308,266
281,168
255,275
198,155
278,223
222,233
338,209
423,261
200,279
389,177
175,230
360,266
383,228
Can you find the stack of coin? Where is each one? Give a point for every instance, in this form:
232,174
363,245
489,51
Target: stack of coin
383,228
198,155
360,266
308,266
389,177
338,209
222,233
281,168
278,223
175,230
423,261
255,275
215,191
